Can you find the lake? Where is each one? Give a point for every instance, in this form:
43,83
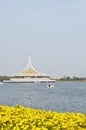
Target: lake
64,97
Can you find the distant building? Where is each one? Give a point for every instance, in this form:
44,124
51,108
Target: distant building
29,75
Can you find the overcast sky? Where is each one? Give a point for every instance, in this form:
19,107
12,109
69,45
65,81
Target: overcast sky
53,31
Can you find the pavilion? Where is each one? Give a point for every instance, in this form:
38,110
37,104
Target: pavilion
29,74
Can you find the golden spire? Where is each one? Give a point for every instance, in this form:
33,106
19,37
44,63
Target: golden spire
29,68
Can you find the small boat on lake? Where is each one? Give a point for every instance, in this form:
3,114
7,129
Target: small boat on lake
50,86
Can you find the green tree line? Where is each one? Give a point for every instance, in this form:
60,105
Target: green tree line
68,78
4,78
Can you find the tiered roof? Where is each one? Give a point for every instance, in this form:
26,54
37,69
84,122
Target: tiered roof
29,70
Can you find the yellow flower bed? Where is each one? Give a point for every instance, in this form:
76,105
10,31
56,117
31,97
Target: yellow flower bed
21,118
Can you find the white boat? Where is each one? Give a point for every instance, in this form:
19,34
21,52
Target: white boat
29,75
50,86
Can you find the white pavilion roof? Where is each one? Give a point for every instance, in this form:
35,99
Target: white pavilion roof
29,71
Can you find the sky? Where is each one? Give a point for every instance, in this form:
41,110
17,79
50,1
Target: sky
52,31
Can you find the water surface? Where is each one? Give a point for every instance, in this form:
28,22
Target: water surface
64,97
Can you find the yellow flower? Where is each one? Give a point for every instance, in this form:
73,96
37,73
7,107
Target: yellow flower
21,118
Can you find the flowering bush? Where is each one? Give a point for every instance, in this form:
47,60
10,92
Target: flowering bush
21,118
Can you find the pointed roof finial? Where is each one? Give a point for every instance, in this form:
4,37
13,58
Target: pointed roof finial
29,68
29,53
